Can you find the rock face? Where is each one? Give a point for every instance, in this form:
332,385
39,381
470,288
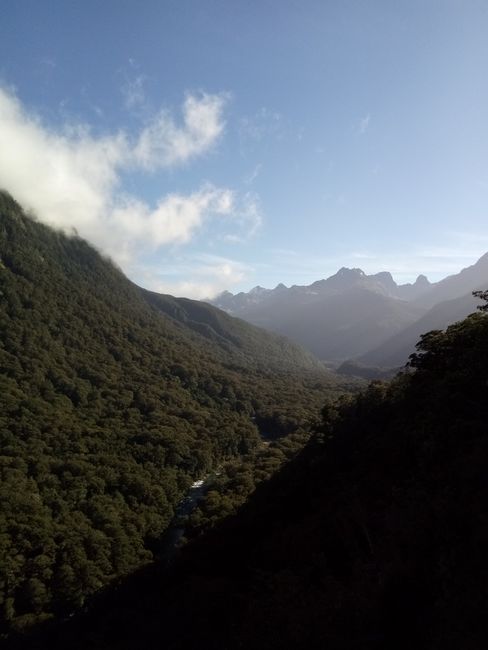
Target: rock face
351,314
415,290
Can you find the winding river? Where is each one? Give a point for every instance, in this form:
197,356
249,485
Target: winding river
171,540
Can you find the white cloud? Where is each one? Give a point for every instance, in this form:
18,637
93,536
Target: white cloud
200,276
251,214
134,93
163,143
71,178
67,178
247,218
364,123
263,124
175,219
249,180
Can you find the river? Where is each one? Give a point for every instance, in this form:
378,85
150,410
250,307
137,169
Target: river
171,540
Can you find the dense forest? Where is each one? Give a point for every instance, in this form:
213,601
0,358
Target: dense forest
373,537
112,401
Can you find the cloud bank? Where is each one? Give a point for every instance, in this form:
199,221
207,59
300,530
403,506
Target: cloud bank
214,273
72,179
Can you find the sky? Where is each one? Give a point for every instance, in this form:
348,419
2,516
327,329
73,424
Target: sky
209,145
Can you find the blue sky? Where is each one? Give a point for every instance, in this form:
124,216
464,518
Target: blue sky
209,145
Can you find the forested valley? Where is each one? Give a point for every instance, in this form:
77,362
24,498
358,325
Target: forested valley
373,537
113,400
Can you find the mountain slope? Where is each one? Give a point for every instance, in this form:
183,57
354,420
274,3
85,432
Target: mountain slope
394,352
457,285
373,538
246,344
347,323
112,400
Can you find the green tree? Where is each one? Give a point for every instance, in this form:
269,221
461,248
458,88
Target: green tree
482,295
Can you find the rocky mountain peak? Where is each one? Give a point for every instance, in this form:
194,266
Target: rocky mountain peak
422,281
345,272
257,290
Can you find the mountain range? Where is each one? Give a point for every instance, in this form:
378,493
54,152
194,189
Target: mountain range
351,315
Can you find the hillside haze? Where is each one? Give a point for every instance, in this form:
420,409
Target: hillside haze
351,315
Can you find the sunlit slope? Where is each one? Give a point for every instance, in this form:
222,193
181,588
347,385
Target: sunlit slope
246,344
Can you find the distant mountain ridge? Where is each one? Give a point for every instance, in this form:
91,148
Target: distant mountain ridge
343,280
352,314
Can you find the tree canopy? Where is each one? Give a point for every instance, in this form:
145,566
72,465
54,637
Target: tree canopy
112,401
374,536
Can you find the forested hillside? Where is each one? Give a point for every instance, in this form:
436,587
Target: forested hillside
112,400
373,538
